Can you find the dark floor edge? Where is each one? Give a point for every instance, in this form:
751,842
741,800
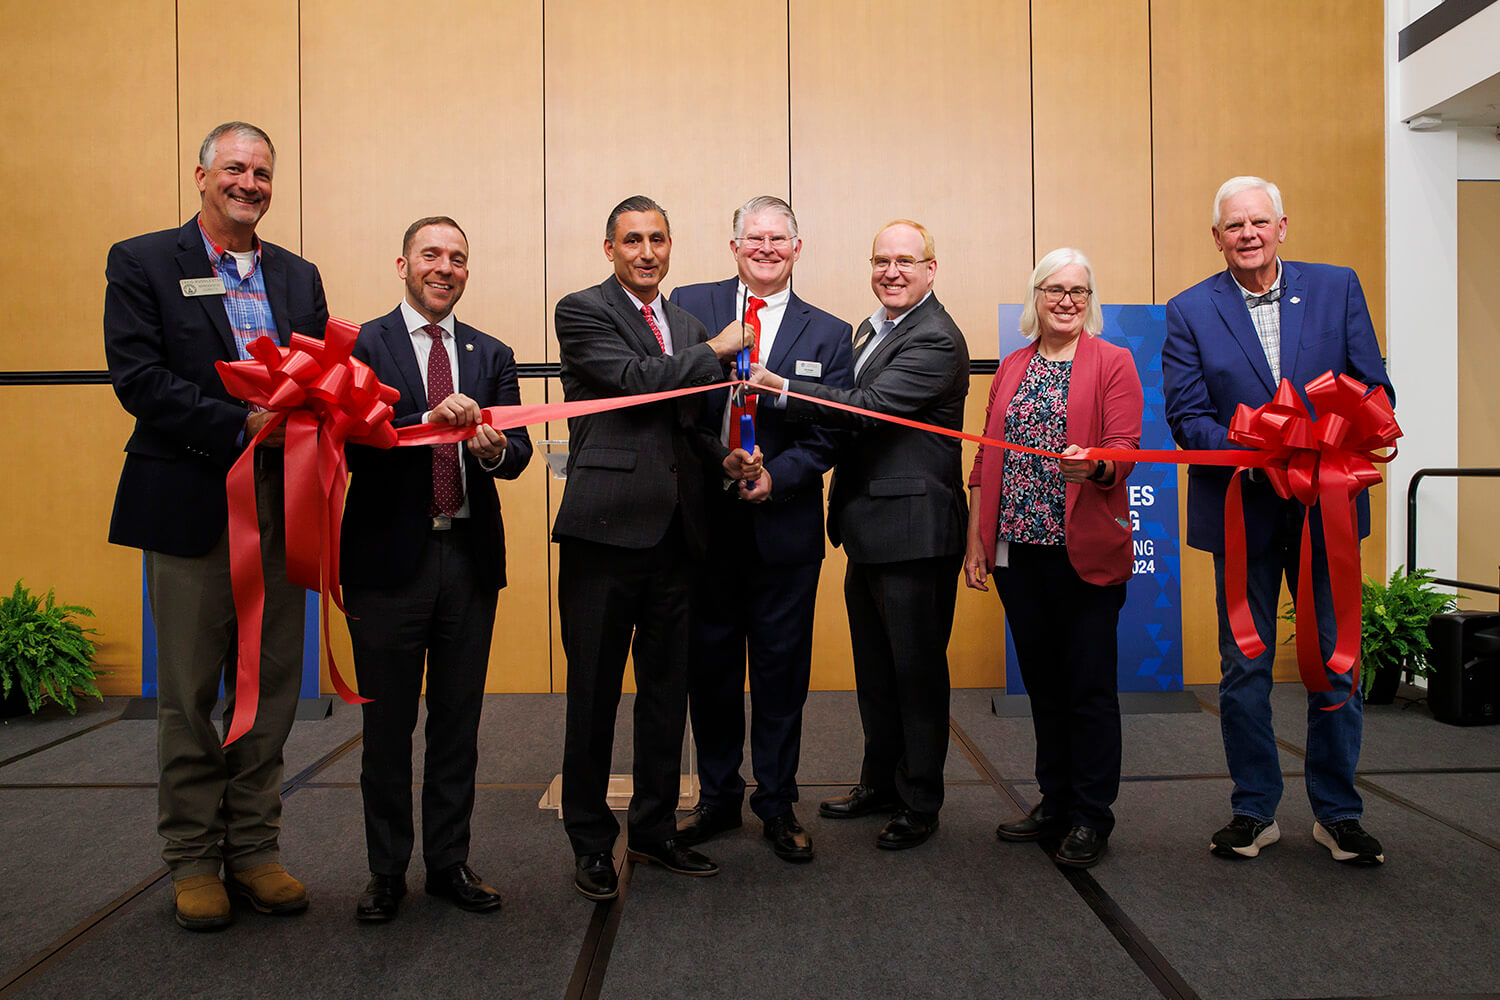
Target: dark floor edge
1152,963
66,786
587,980
58,742
38,964
1411,996
1365,784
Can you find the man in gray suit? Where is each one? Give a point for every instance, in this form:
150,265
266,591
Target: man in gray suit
630,525
897,506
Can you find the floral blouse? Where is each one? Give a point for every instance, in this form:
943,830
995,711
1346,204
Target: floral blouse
1033,497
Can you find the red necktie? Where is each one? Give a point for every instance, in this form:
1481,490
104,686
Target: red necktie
447,487
752,320
651,322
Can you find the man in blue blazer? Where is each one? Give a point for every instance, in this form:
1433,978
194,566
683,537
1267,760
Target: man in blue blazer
422,563
178,301
1230,340
760,581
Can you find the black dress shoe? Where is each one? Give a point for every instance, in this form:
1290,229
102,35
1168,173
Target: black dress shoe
862,800
788,839
1081,848
1032,826
594,876
907,828
460,886
705,822
674,856
382,897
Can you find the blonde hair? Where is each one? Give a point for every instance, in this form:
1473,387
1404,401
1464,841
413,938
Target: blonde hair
1093,315
929,248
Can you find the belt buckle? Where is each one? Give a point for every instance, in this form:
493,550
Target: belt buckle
442,522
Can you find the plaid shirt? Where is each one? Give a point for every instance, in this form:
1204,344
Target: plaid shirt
1267,319
245,299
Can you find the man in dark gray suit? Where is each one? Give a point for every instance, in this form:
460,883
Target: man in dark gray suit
897,506
630,525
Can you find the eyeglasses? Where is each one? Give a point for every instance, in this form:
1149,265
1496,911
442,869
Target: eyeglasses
906,265
1055,293
774,242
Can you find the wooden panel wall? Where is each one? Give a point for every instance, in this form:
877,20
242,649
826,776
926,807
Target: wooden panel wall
89,157
1007,127
1218,111
1478,377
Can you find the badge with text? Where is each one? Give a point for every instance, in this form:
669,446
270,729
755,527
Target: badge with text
810,369
194,287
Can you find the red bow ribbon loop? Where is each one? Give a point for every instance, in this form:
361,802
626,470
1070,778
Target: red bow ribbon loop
326,398
1325,461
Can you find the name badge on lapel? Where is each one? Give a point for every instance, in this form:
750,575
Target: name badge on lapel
811,369
194,287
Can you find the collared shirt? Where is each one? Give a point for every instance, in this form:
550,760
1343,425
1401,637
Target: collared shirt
245,302
1267,320
421,345
658,313
771,314
881,332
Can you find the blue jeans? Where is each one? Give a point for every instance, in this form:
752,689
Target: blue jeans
1333,737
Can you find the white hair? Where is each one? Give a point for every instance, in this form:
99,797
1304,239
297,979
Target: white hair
1246,182
1093,315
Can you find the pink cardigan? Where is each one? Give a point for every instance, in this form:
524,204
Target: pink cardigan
1104,410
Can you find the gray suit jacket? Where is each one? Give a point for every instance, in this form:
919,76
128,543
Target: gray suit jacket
898,492
629,469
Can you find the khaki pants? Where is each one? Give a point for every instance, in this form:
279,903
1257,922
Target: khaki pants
219,805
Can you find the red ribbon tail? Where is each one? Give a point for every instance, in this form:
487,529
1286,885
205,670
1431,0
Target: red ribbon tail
299,474
1237,604
247,580
333,470
1309,656
1341,542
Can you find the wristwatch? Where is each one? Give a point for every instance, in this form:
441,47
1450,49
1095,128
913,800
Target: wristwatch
1098,473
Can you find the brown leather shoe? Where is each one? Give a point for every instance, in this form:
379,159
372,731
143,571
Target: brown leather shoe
202,903
269,889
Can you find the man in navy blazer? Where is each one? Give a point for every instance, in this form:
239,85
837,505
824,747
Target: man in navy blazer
178,301
422,564
760,581
1231,339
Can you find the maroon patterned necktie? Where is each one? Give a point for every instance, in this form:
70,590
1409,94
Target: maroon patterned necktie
651,322
447,487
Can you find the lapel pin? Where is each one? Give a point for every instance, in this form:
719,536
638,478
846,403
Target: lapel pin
470,347
1295,300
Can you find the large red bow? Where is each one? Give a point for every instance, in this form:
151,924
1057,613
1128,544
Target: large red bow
325,398
1325,462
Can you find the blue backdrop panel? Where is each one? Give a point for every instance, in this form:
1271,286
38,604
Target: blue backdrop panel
311,680
1150,632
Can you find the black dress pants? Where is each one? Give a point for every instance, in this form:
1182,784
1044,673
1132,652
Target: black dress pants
900,618
442,620
1064,630
605,595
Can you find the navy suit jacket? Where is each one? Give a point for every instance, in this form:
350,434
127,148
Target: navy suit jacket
1212,361
386,519
788,528
161,346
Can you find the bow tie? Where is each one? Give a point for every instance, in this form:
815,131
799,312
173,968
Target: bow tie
1273,296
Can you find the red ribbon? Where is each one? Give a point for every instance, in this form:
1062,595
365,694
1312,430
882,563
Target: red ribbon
326,399
1324,462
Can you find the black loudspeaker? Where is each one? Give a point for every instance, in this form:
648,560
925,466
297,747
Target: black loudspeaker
1464,687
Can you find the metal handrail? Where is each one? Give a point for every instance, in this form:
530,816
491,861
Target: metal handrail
1411,520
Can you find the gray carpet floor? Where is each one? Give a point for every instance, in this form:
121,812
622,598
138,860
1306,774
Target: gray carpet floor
962,916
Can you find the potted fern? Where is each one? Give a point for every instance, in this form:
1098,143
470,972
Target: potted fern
1393,630
45,654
